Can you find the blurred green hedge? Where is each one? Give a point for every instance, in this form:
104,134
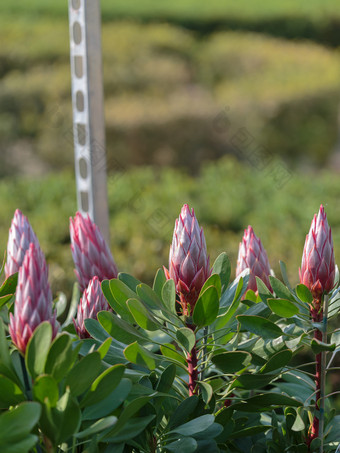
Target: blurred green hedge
170,96
317,20
226,195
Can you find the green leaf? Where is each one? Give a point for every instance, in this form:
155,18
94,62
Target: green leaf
278,360
17,423
252,381
249,431
206,308
60,357
206,390
185,444
304,294
46,387
6,365
284,274
119,329
319,346
280,289
231,361
159,282
283,307
186,338
169,350
149,297
5,299
83,373
142,316
222,267
69,417
213,280
183,411
110,403
195,426
135,353
259,326
121,293
166,379
9,285
104,348
103,385
60,303
129,411
73,306
266,402
264,292
169,296
10,393
37,349
129,280
299,424
97,427
223,319
133,428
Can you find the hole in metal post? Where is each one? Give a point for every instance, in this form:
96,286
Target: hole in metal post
77,33
81,134
84,201
78,66
80,101
75,4
83,167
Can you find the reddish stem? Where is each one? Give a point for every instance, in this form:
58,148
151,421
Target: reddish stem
192,370
316,314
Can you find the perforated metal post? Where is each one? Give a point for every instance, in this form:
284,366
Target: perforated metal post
88,111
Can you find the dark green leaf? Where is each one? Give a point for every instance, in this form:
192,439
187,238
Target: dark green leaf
9,286
37,349
132,429
250,431
118,328
280,289
206,390
213,280
169,350
83,373
319,346
169,296
185,444
194,426
259,326
121,293
183,411
278,360
283,307
69,417
186,338
158,283
97,427
17,423
264,292
166,379
129,280
60,357
10,393
148,296
231,361
252,381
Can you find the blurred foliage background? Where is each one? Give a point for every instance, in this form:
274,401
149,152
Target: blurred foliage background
188,83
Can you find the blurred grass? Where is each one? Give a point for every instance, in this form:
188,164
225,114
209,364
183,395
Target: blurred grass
226,195
163,95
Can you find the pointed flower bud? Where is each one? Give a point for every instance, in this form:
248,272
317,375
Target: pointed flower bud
188,259
317,270
20,236
252,255
91,303
33,299
91,254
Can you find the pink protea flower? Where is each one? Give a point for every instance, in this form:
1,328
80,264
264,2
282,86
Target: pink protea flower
20,236
33,299
91,303
188,259
317,270
91,254
252,255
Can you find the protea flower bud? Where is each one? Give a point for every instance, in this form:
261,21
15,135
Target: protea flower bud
188,260
20,236
317,270
91,254
91,303
252,255
33,299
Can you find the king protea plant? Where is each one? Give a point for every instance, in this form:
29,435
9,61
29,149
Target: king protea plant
90,252
188,259
92,302
33,299
253,256
21,235
317,272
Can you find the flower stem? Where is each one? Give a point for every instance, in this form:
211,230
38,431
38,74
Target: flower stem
317,315
323,373
25,375
192,370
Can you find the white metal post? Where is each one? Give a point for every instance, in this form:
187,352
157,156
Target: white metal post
88,111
